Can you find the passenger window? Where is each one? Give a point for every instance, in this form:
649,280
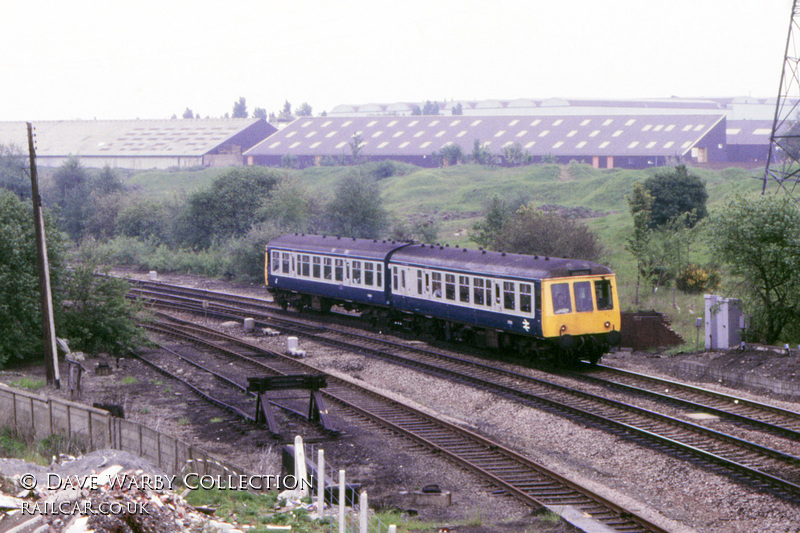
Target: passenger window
369,275
394,278
436,285
450,286
583,296
338,270
509,295
419,281
463,289
315,267
478,291
379,272
357,272
488,284
562,302
326,268
602,291
525,298
276,261
305,266
285,264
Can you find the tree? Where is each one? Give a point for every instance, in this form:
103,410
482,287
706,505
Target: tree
532,231
188,113
357,209
260,112
13,168
515,156
457,109
20,307
71,194
430,108
480,153
497,215
240,108
286,113
304,110
356,144
674,193
290,207
759,239
451,154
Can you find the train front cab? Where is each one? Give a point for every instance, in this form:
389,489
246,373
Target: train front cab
581,314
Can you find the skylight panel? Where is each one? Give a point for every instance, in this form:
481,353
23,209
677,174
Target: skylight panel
392,123
461,133
572,133
651,144
558,144
441,133
608,121
630,122
733,131
545,132
455,123
700,127
307,123
433,123
658,127
595,133
647,127
670,127
580,144
291,134
586,122
476,122
295,144
558,122
687,127
762,131
398,134
420,133
634,144
669,144
314,145
604,144
330,134
347,123
687,144
530,144
276,143
617,133
383,144
413,123
377,134
514,122
311,134
499,133
522,133
371,123
536,122
327,123
341,144
404,144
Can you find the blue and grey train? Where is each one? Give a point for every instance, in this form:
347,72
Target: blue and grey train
563,310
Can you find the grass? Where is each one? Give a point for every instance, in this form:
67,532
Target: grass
129,380
14,444
29,383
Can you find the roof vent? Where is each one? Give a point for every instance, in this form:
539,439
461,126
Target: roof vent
464,250
484,252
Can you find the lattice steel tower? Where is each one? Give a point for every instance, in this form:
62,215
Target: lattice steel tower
783,161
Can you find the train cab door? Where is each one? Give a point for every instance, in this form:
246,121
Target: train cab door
497,296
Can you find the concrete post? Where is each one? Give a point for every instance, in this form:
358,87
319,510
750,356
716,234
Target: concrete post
300,464
393,529
321,483
342,494
363,513
249,325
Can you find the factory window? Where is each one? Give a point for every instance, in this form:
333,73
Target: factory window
509,295
478,284
463,288
450,286
305,266
369,274
583,296
436,284
315,268
562,302
357,272
338,269
525,298
326,268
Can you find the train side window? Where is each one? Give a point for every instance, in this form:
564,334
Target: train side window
602,291
285,263
419,281
379,275
583,296
525,298
357,272
562,302
338,269
463,289
369,274
394,278
509,295
478,284
436,284
305,266
327,269
315,267
450,286
488,284
403,279
276,261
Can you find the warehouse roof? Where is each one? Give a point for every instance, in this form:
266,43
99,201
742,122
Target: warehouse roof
565,135
190,137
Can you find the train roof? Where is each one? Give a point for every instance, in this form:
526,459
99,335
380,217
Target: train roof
495,263
327,244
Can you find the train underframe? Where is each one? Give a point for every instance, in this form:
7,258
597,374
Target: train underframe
567,350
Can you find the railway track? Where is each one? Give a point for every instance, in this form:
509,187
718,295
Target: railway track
750,463
516,475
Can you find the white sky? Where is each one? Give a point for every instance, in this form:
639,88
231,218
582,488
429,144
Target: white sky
115,59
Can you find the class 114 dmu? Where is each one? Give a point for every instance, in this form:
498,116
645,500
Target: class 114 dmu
555,309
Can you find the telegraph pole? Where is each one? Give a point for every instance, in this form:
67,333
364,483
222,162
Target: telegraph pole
48,325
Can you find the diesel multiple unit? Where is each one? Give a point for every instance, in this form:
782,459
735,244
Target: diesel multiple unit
558,309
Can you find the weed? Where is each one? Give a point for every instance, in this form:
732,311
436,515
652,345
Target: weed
29,383
129,380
